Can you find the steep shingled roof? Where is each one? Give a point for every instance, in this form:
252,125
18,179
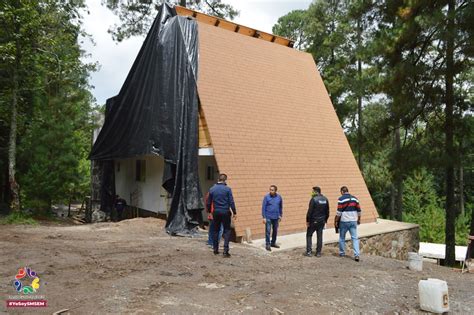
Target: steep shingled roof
271,121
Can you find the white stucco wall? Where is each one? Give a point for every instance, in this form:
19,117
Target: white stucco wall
149,195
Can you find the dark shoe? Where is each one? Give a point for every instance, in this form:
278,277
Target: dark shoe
342,255
318,255
216,252
275,245
356,258
268,248
226,255
307,254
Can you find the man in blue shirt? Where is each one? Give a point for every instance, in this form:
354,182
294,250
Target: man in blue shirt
272,211
221,196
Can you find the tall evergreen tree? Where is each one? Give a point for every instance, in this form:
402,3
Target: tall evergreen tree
20,23
136,16
49,125
293,26
409,43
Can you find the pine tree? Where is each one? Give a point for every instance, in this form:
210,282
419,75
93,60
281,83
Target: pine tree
136,16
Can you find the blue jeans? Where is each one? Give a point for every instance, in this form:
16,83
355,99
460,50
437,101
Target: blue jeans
271,224
352,228
210,236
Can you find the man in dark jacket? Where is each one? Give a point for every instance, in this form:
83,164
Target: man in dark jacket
316,219
220,195
120,204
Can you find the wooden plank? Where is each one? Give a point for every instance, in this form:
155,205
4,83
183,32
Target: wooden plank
246,30
266,36
231,26
282,41
204,136
227,25
184,11
206,19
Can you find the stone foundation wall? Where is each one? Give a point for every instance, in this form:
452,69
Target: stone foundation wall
392,245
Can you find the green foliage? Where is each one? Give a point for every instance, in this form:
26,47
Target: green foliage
18,218
137,16
378,179
423,206
40,40
419,192
462,227
400,133
293,26
431,221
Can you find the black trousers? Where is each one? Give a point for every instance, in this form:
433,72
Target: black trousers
318,227
224,219
119,214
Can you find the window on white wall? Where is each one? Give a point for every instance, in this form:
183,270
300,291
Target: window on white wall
211,172
140,170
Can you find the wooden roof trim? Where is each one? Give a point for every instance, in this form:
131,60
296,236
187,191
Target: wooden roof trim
233,27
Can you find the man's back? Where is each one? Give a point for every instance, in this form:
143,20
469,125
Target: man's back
318,209
120,204
348,208
221,196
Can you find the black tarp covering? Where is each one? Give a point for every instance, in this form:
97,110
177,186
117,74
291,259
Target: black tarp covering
156,112
107,187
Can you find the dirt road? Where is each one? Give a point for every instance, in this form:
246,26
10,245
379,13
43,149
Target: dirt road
135,267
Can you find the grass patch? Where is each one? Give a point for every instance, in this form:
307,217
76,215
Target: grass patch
18,218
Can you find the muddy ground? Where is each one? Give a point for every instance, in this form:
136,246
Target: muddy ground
134,267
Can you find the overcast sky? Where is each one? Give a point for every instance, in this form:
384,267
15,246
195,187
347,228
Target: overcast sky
115,59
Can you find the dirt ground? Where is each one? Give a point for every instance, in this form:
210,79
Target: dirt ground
134,267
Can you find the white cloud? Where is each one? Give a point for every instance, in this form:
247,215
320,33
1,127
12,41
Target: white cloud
116,59
263,14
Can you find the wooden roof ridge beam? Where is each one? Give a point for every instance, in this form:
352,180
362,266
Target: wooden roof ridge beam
234,27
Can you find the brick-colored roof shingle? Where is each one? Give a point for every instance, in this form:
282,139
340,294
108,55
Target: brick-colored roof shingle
271,121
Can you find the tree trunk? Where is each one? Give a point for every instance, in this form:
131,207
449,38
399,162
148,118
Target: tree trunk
14,187
399,198
359,100
472,224
392,202
398,178
5,186
449,144
472,233
461,188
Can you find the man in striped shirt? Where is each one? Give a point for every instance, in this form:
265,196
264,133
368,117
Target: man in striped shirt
347,218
